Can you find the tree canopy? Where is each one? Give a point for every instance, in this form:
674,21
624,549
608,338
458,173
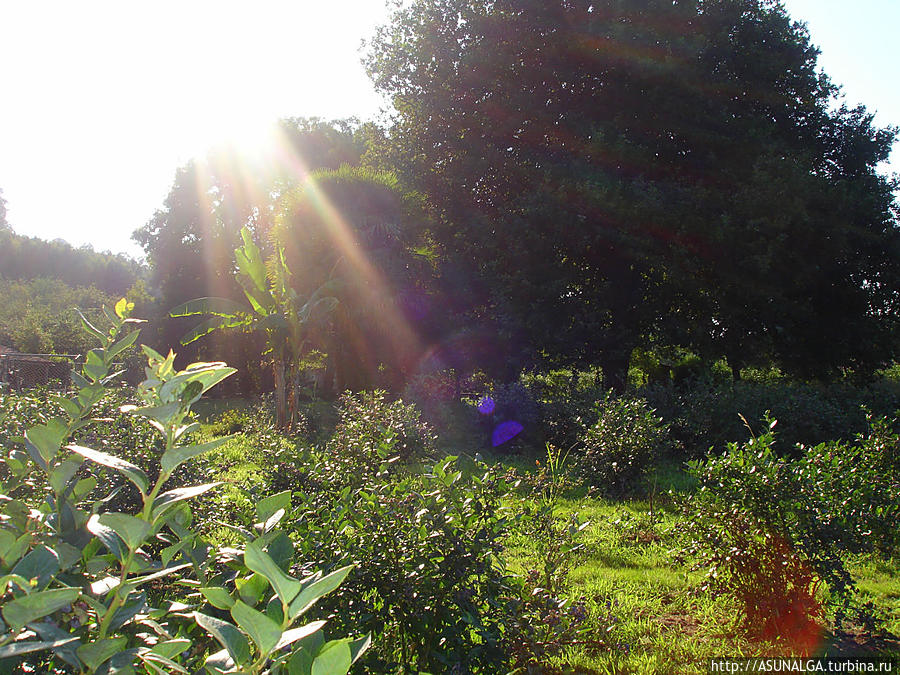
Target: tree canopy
646,169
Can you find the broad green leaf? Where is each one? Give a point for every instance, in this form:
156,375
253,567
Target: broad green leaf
90,328
129,470
249,260
169,499
45,439
11,547
25,609
160,664
94,366
217,596
213,324
83,488
267,506
174,457
124,308
62,473
300,663
106,534
315,590
19,648
335,658
133,531
227,635
171,648
261,629
251,588
97,653
359,646
136,602
123,344
294,634
40,565
222,307
161,414
259,561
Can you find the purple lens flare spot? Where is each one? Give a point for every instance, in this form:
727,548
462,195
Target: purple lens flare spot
505,431
486,405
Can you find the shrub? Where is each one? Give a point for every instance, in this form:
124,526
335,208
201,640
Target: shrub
622,445
703,414
428,584
370,429
774,531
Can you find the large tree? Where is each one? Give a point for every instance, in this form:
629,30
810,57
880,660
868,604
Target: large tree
190,241
615,169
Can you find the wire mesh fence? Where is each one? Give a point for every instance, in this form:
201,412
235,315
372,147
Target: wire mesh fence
27,371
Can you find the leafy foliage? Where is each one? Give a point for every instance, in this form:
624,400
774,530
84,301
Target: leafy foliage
622,446
428,585
80,579
646,169
370,429
773,530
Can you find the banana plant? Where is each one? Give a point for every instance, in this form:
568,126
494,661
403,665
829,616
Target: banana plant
272,306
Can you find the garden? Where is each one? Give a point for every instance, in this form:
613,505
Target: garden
543,525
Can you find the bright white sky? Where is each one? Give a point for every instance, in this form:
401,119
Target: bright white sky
101,100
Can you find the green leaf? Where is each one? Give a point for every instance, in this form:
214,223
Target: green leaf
133,531
129,470
217,596
174,457
213,324
123,344
334,659
294,634
261,629
90,328
227,635
61,474
259,561
107,536
137,602
251,589
45,439
267,506
40,565
97,653
94,366
124,308
169,499
315,590
222,307
26,609
300,663
171,648
19,648
249,260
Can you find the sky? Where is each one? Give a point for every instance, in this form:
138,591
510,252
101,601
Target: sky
101,101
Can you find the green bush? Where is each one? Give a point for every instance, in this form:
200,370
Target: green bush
622,446
774,532
704,414
428,583
371,428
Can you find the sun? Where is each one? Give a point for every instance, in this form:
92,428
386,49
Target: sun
248,135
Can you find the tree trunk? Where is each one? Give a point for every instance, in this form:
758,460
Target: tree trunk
280,396
615,369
